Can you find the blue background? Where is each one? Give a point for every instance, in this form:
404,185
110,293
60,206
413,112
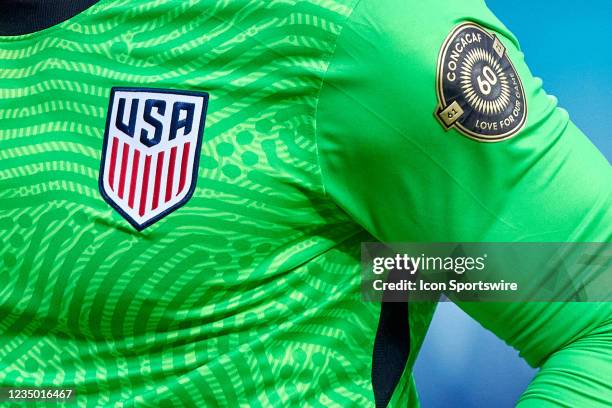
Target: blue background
569,46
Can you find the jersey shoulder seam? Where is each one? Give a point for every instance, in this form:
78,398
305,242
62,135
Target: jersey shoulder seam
330,57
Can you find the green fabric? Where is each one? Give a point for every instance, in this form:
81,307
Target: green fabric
249,294
320,134
389,163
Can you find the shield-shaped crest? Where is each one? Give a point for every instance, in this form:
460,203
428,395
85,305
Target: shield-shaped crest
151,148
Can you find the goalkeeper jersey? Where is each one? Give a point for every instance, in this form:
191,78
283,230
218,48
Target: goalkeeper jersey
184,187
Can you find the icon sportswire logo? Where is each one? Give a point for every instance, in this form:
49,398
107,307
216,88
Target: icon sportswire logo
150,154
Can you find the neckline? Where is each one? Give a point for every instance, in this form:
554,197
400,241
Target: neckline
75,18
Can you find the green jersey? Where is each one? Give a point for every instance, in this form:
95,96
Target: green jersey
184,187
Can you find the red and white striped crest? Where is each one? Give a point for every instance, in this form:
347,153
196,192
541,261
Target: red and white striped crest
151,149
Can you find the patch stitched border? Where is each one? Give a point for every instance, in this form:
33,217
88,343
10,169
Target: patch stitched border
479,91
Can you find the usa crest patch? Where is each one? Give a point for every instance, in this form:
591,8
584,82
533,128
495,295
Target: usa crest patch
151,151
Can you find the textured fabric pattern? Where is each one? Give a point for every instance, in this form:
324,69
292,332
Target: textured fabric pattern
248,295
320,134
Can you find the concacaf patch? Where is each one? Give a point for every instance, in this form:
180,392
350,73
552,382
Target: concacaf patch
150,154
479,91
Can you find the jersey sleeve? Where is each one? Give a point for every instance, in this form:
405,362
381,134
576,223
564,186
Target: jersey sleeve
391,165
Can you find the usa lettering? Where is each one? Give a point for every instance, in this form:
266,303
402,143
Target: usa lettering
155,113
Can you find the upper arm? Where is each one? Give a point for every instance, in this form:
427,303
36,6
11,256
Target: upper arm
391,165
